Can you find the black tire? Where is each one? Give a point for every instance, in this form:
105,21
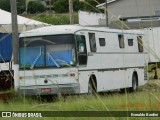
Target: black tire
92,88
134,83
122,90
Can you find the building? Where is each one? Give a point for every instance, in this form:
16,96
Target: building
131,8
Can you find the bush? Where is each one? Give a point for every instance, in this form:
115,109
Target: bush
62,6
56,19
21,6
35,7
5,5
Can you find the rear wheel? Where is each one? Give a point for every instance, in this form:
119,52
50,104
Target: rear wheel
134,83
122,90
92,86
90,89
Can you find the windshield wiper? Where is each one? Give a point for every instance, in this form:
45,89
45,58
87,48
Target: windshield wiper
34,62
53,60
63,61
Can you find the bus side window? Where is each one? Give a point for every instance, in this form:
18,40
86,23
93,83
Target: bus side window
121,41
81,43
82,50
102,42
130,42
140,43
92,40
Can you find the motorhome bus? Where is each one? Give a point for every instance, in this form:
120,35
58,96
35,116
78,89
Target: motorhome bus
70,59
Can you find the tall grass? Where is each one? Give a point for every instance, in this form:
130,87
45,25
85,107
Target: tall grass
147,98
56,19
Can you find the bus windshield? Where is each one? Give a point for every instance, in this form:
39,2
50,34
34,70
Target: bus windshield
47,51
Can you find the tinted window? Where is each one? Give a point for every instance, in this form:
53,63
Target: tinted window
47,40
81,43
130,42
92,40
82,51
140,43
47,51
102,41
121,41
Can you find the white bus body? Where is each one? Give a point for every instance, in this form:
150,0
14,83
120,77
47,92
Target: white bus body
72,59
152,44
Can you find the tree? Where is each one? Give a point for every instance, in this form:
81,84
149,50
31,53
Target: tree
77,5
21,6
90,5
35,7
62,6
5,5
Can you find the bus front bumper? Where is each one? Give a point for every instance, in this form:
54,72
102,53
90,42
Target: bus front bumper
50,89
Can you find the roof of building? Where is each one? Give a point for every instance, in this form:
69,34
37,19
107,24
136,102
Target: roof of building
154,17
134,25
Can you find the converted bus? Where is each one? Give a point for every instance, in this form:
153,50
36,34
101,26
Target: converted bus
70,59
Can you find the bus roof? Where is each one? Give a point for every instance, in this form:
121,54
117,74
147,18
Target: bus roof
70,29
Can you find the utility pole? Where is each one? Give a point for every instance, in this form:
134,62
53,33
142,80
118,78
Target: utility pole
15,43
50,6
106,12
71,12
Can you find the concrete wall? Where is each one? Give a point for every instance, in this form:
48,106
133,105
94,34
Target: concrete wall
89,18
132,8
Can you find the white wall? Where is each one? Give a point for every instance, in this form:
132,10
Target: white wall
90,18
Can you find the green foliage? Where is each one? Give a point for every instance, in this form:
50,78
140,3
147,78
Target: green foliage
56,19
151,67
158,64
77,5
146,99
62,6
90,5
35,7
5,5
21,6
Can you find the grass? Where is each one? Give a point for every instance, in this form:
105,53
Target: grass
111,101
147,98
55,19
